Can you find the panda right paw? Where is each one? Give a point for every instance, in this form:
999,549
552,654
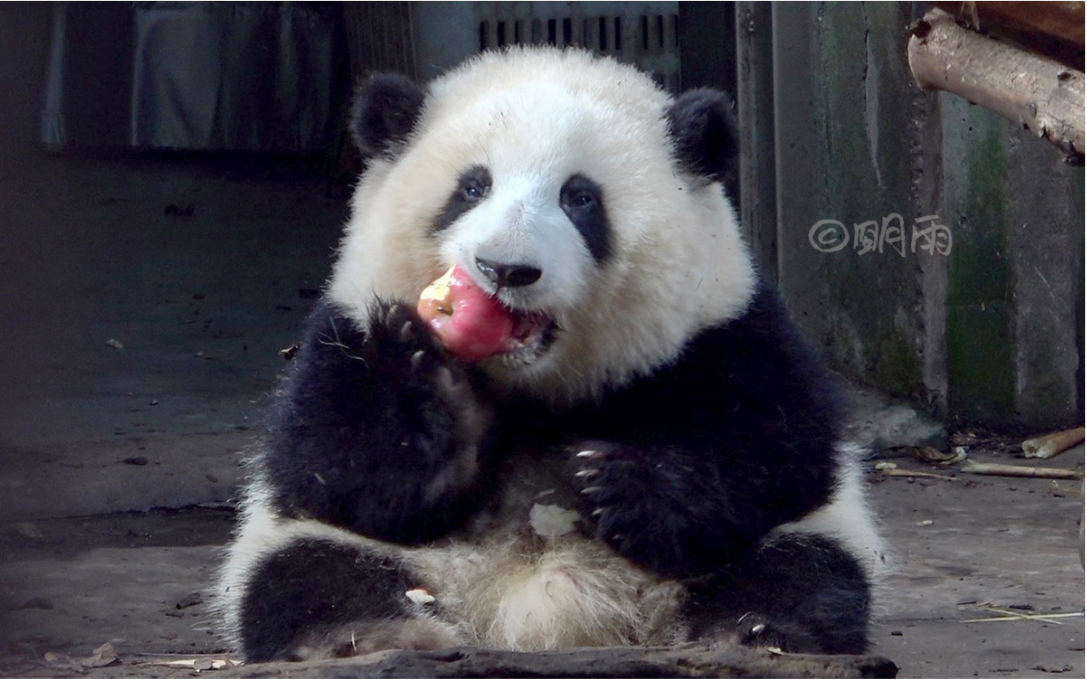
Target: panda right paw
378,430
410,356
407,345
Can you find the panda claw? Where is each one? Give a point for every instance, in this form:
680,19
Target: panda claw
589,472
598,512
590,490
391,314
405,331
446,379
417,359
588,454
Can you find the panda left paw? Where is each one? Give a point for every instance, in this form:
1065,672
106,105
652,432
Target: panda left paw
657,508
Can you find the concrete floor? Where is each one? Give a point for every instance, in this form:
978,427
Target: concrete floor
202,270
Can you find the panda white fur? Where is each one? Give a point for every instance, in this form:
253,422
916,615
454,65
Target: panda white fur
660,392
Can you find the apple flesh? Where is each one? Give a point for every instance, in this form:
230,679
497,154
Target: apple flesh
468,322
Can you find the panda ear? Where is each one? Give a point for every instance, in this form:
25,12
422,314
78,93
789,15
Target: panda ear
704,132
385,110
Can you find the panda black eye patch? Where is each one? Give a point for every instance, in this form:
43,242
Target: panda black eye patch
473,185
582,201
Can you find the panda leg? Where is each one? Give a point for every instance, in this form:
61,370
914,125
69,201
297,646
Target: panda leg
316,598
800,593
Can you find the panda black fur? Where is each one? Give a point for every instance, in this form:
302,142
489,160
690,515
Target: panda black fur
666,397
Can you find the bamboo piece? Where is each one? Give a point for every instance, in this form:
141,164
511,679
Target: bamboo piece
1038,93
1052,444
1001,470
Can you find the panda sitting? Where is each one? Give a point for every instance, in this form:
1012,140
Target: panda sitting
597,428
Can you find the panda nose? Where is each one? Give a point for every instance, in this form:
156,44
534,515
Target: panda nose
509,275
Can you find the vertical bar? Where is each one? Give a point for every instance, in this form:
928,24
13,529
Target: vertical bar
609,35
669,36
629,40
577,32
755,116
798,175
591,33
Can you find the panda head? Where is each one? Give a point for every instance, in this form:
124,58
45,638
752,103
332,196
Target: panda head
569,186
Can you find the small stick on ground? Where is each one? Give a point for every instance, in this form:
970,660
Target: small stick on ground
1016,616
1001,470
1052,444
917,473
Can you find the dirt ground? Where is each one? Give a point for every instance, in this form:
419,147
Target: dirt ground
118,460
975,558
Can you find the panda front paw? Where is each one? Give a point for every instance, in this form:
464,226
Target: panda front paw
436,386
406,344
408,354
383,427
660,509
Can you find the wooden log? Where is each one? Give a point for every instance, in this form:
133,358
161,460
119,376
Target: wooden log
1038,93
1061,20
698,660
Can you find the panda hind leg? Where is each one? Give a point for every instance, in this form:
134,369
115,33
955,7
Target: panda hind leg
318,599
800,593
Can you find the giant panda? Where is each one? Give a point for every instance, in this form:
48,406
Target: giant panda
646,455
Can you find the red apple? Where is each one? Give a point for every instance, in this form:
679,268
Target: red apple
470,323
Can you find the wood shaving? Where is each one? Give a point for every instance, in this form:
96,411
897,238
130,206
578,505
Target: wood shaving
552,521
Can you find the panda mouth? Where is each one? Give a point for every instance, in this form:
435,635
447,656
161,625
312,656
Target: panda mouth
474,324
530,337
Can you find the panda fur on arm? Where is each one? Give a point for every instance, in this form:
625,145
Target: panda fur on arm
654,386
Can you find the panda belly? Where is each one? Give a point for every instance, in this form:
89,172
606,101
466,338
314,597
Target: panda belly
531,594
303,589
522,577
